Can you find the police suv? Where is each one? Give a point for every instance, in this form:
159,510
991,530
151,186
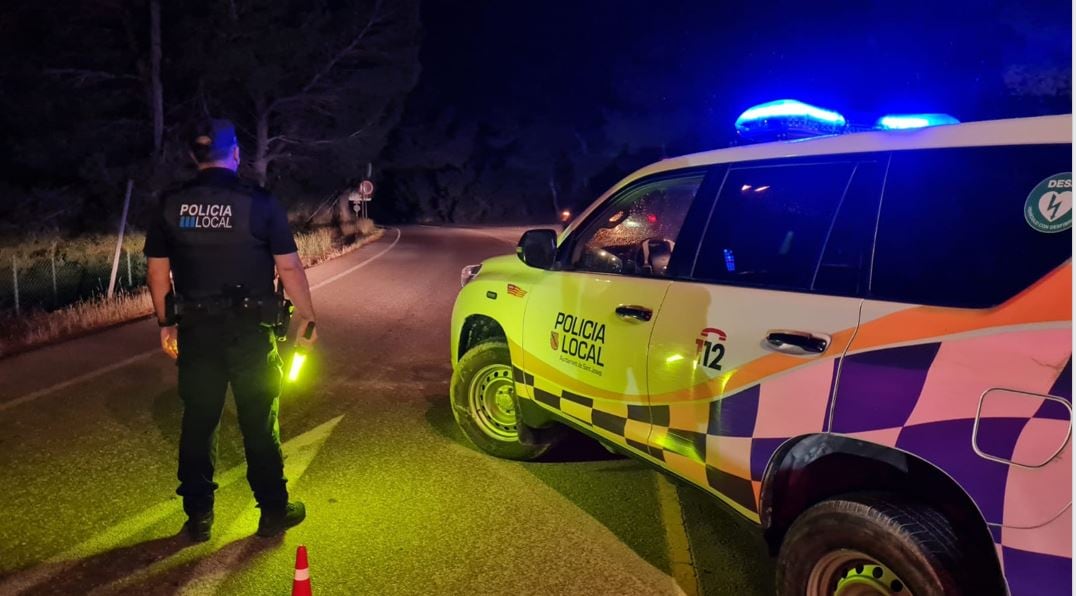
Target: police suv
860,342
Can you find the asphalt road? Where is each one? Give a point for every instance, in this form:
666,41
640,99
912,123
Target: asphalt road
399,502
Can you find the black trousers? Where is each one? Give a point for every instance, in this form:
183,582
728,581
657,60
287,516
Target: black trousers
215,352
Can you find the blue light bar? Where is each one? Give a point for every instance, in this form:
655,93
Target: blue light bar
788,108
908,121
788,118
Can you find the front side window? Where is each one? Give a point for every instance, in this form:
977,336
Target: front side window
771,223
636,233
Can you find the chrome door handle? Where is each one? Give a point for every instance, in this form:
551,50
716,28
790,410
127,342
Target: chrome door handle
797,343
633,312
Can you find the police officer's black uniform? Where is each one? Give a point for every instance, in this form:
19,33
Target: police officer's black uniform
220,234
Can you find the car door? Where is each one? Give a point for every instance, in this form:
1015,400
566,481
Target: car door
587,325
743,356
964,354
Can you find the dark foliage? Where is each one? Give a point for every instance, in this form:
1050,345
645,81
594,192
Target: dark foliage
526,108
314,87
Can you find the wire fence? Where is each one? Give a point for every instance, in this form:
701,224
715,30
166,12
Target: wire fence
47,274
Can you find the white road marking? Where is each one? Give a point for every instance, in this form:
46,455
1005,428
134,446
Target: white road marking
299,451
144,355
75,381
676,540
325,282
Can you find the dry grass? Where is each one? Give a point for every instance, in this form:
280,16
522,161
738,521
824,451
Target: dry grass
43,327
313,246
87,250
40,327
345,249
323,244
359,227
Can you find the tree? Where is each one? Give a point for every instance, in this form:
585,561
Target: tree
310,79
452,166
314,88
156,90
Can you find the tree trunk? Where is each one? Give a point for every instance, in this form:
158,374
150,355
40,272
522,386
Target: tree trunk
261,150
156,89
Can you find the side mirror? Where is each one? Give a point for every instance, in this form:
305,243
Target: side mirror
538,248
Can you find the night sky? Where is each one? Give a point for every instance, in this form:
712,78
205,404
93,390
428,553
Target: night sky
479,110
570,60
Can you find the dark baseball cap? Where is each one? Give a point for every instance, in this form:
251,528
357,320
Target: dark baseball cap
213,136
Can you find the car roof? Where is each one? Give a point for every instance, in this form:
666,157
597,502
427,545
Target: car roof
1014,131
1039,130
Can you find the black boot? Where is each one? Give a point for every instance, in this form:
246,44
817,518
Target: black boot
275,520
198,525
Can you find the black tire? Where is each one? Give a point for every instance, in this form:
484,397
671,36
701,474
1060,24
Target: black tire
907,545
490,363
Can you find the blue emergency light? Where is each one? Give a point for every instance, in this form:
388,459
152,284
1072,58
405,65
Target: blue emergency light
909,121
792,119
788,119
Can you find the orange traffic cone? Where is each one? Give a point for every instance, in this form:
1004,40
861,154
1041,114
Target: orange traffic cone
301,585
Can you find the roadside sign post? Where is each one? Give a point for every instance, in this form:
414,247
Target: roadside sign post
361,198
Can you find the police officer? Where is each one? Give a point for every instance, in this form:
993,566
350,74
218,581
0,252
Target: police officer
220,238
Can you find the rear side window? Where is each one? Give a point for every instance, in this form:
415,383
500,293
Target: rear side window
952,228
771,223
845,266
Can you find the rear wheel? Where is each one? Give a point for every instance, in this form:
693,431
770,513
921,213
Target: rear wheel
484,404
864,544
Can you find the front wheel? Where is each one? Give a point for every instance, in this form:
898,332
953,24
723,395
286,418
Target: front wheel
484,406
862,544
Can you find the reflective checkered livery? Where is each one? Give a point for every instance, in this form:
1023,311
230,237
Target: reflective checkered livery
1028,510
921,398
706,375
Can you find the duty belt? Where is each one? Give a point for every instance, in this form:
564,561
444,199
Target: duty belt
265,307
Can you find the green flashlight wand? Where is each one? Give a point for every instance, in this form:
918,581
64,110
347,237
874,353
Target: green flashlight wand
299,357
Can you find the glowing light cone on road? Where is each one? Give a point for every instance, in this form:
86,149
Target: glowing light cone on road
301,585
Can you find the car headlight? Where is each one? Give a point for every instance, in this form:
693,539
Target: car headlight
469,272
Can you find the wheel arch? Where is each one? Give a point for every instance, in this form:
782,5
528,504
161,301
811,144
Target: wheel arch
478,328
809,469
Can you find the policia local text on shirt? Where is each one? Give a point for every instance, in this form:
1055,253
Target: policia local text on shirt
221,238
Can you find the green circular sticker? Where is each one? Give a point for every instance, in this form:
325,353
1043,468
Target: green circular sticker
1048,208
